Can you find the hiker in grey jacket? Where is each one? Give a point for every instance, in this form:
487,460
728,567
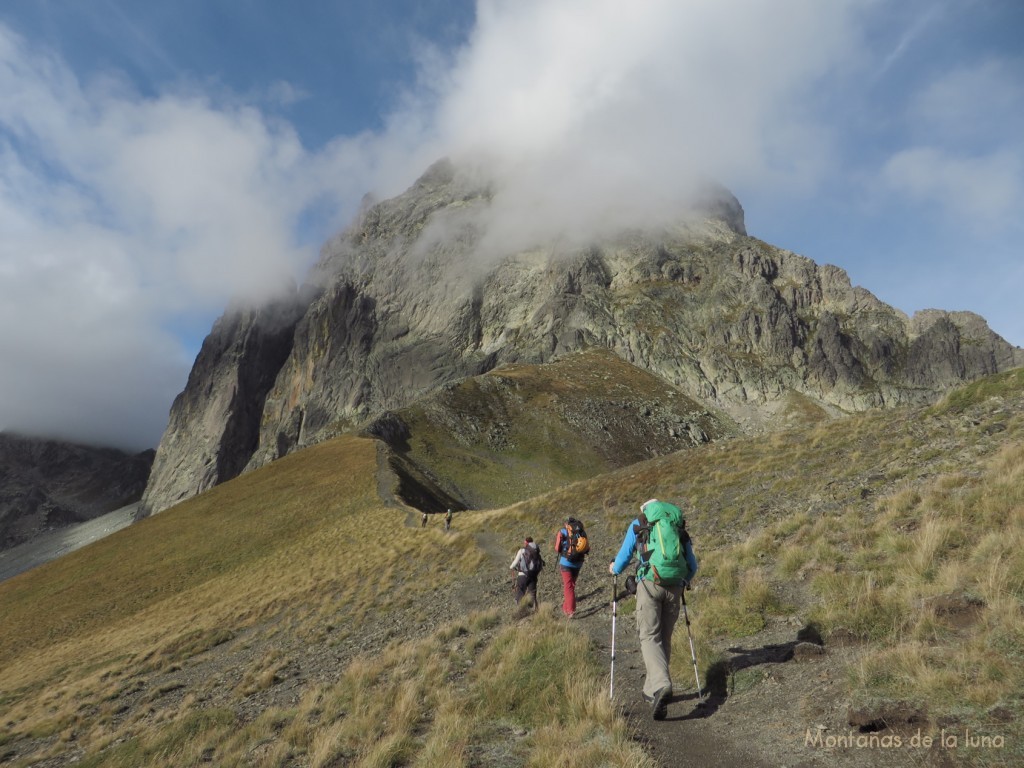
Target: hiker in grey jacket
526,566
657,604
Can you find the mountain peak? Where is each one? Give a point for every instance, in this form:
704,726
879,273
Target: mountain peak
450,280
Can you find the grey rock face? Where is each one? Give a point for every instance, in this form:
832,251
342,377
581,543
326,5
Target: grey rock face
48,484
215,422
414,295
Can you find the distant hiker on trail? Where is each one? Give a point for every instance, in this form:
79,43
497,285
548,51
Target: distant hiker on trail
572,546
526,567
448,520
659,539
423,521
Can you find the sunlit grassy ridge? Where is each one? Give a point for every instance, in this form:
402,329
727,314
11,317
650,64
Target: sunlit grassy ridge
215,544
522,429
901,531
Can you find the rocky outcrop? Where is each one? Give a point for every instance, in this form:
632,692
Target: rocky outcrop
215,422
48,484
415,294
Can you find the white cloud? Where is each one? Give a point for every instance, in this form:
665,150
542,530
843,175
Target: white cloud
82,355
917,27
285,94
966,151
592,112
121,213
588,111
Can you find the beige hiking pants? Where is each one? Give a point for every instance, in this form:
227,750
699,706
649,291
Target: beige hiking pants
657,609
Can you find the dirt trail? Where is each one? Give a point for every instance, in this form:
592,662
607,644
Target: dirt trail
689,734
768,699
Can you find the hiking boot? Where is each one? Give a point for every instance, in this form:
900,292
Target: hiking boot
650,699
660,703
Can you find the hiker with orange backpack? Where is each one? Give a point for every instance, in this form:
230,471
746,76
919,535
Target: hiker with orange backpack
658,537
572,545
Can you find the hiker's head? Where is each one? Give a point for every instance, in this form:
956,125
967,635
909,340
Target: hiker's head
528,540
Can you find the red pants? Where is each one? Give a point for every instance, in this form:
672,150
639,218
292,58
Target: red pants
569,590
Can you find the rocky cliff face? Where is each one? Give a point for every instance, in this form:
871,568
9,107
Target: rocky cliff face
414,295
215,422
47,484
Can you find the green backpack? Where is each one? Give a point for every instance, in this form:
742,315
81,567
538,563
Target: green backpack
662,535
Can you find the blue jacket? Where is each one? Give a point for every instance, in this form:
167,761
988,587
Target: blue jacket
563,561
628,548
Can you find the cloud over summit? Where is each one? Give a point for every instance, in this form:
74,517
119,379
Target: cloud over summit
133,208
606,114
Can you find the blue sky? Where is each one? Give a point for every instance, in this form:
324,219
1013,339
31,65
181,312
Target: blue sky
158,159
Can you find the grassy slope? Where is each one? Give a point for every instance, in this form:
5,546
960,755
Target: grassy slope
278,556
522,430
202,566
902,529
902,532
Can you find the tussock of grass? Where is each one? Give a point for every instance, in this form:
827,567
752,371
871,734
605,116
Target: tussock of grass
182,742
967,550
1000,385
434,702
263,674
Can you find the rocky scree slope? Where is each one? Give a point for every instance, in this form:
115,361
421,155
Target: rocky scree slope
413,296
48,484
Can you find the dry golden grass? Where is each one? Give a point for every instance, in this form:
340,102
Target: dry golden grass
865,528
272,547
441,700
274,551
944,595
205,565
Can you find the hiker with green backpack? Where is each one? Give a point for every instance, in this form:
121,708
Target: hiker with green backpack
658,537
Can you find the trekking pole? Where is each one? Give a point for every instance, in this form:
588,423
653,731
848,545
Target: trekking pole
615,603
693,655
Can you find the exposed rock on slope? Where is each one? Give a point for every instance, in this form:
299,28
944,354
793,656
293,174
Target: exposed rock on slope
47,484
413,296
